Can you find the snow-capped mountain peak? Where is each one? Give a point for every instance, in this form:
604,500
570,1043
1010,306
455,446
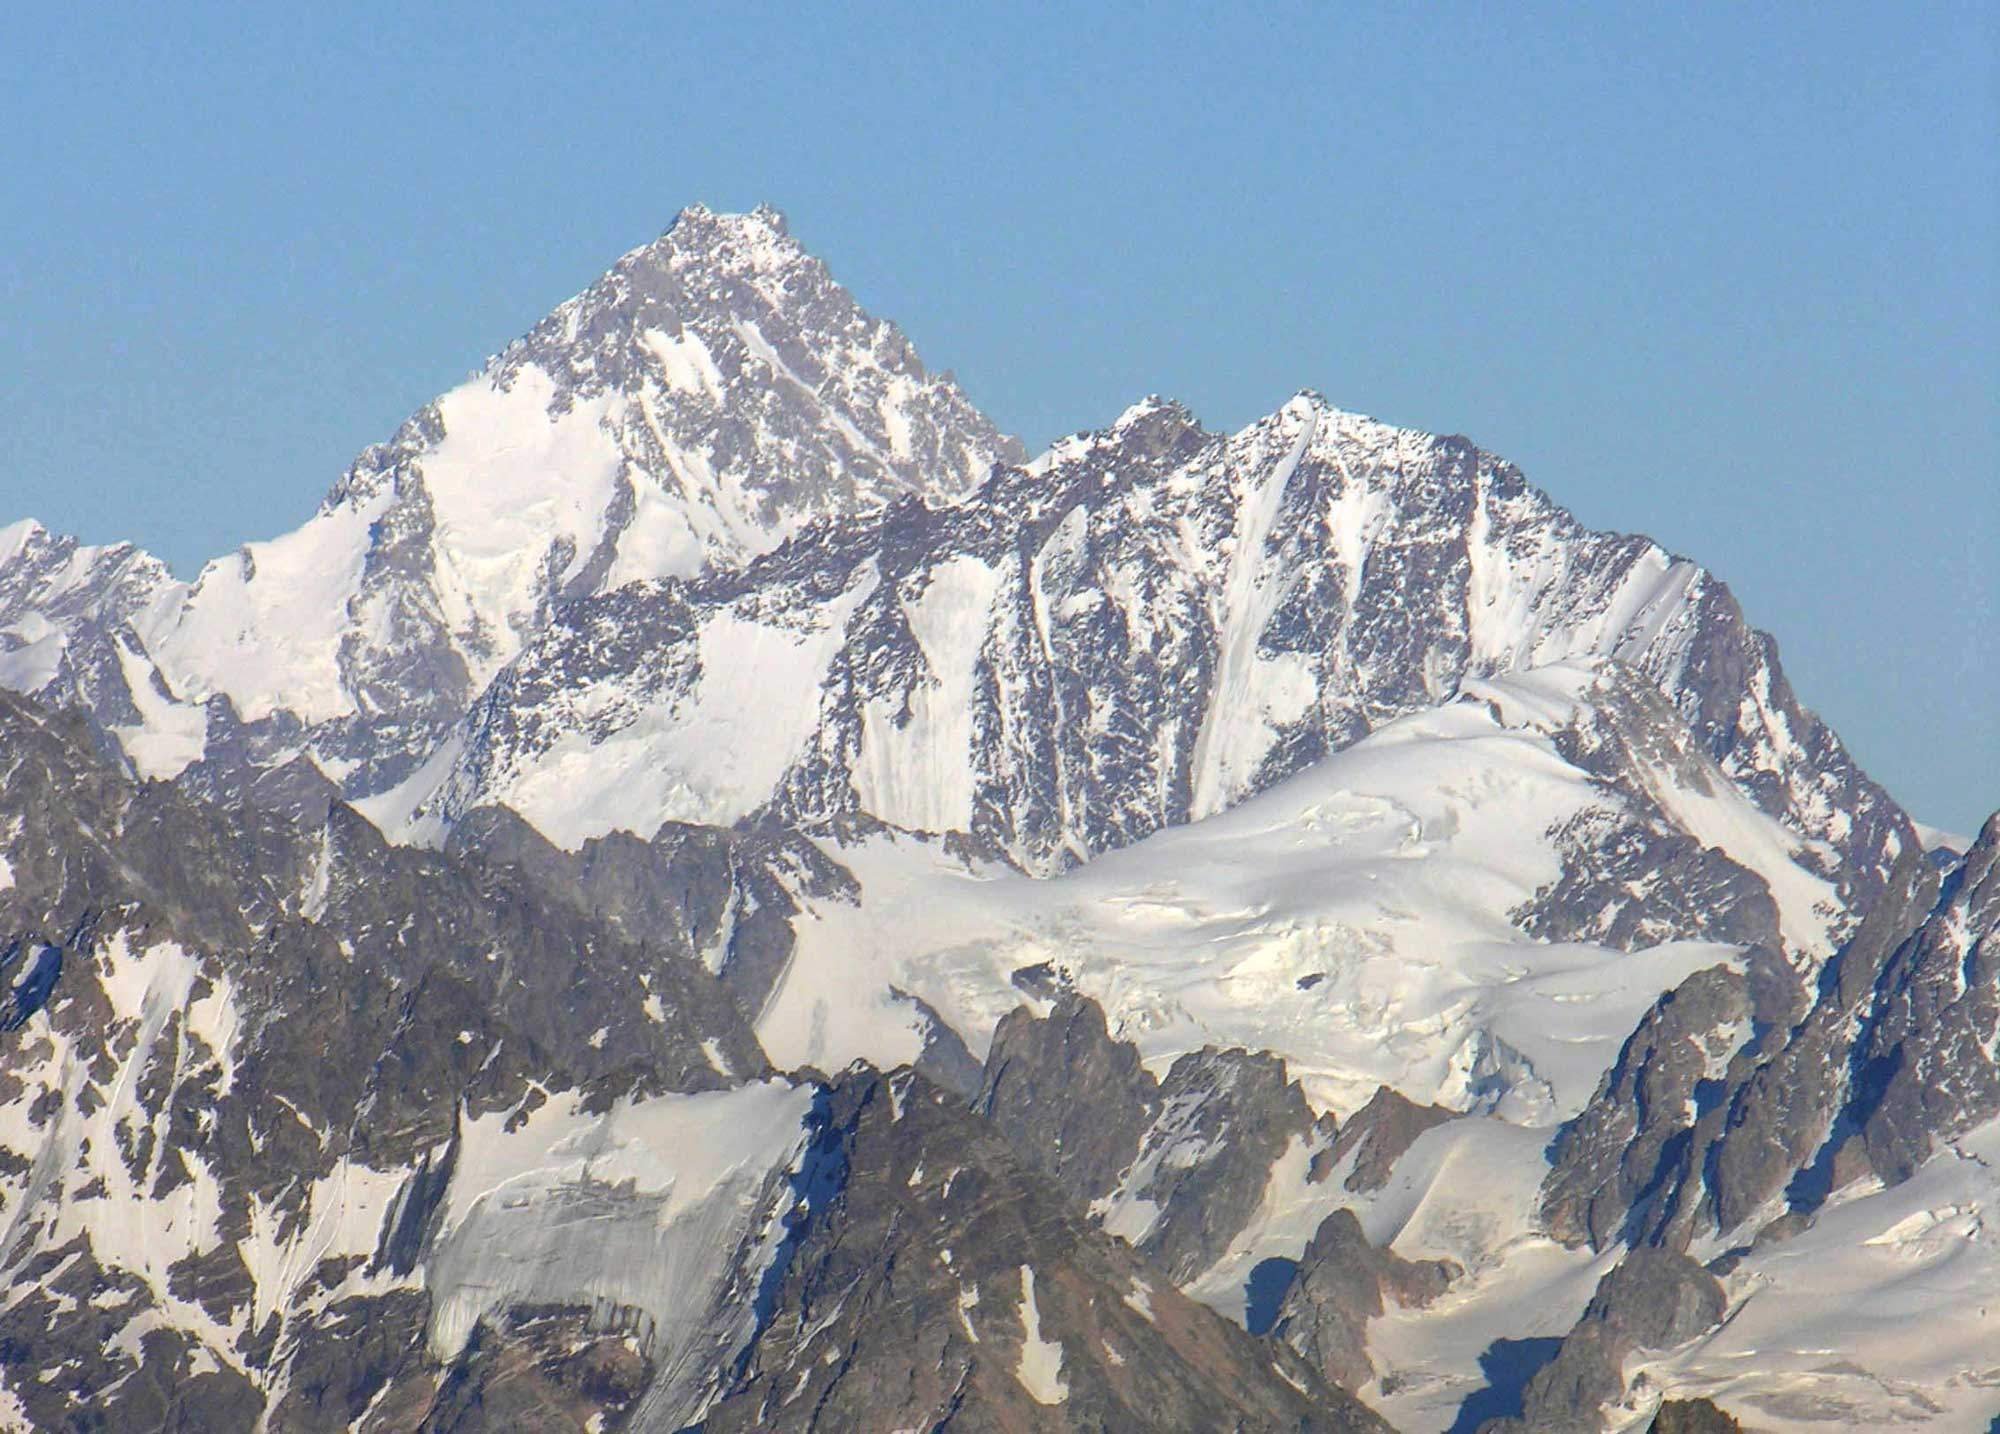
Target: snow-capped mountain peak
712,393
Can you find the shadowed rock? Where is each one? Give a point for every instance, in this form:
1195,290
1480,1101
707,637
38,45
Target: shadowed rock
1342,1283
948,1285
1654,1299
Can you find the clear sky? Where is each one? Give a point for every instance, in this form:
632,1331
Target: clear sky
1726,275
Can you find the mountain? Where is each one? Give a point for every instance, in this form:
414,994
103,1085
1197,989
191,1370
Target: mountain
300,1128
70,617
709,395
1136,631
704,889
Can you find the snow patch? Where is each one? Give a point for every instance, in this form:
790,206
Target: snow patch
642,1208
1040,1366
171,735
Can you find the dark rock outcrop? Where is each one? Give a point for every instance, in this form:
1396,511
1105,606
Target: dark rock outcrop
1693,1416
1343,1282
1654,1299
1074,1102
728,897
948,1286
1889,1058
1193,1151
1378,1134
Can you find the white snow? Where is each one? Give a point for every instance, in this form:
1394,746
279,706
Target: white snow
1238,726
686,362
916,766
511,483
1885,1312
968,1301
643,1207
16,536
1381,878
1723,817
1467,1191
1040,1366
713,754
170,735
146,989
345,1212
1526,570
1140,1298
319,883
265,625
34,663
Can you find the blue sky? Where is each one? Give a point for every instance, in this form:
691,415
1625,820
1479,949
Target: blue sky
1725,275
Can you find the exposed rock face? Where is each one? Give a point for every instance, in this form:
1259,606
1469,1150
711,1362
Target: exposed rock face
1648,874
1654,1299
946,1287
1607,1160
1928,1066
1693,1416
1341,1284
1701,1127
1225,1119
540,1369
1378,1133
1176,1166
1073,1102
729,897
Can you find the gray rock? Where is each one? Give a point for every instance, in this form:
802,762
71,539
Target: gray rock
1193,1151
946,1286
1609,1159
1693,1416
1632,877
1926,1068
728,897
1888,1059
1654,1299
1225,1119
1343,1282
1071,1100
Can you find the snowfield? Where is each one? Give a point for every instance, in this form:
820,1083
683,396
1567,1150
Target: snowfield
1354,920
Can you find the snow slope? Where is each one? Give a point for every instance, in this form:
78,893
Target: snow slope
1357,920
644,1211
1886,1311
